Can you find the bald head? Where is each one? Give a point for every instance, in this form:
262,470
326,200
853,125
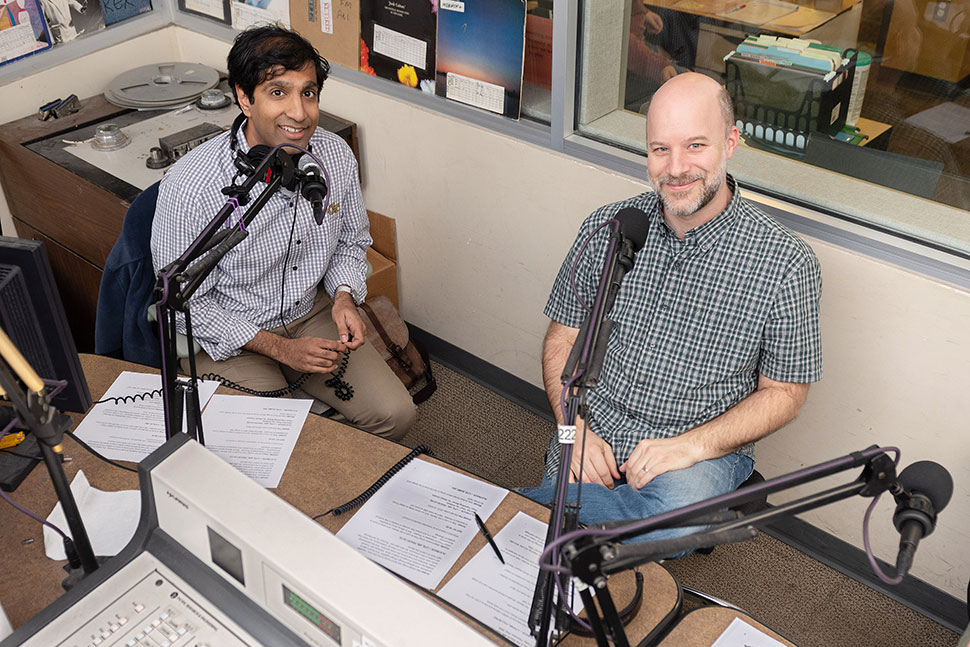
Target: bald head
697,93
690,137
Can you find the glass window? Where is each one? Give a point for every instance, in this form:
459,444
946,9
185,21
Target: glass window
537,68
889,108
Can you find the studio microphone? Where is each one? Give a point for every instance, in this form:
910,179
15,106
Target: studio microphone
313,188
927,489
634,227
631,235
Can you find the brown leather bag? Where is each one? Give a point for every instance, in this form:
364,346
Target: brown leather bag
388,333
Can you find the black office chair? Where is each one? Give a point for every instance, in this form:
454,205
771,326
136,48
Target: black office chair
121,328
748,508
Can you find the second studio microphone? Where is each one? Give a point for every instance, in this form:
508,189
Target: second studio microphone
313,187
927,489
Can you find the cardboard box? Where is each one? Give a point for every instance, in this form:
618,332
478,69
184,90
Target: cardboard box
382,256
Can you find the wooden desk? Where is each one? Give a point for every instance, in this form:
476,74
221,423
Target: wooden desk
701,627
721,29
878,133
350,460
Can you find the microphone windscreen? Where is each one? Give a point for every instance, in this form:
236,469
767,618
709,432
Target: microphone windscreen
929,479
634,225
307,164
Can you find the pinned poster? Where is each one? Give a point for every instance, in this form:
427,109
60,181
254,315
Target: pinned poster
481,48
398,41
332,26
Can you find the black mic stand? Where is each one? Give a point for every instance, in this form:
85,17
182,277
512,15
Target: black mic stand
42,419
593,554
178,281
580,374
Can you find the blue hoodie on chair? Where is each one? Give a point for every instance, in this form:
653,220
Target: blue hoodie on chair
122,328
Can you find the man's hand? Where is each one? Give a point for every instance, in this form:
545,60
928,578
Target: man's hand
311,354
654,456
303,354
654,23
598,463
350,328
668,72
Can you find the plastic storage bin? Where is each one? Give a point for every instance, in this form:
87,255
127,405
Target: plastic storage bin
779,106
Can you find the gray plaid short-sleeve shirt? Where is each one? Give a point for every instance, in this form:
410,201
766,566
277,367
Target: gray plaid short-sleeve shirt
696,321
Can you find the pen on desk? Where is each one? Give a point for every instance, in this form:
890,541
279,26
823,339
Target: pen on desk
488,536
738,8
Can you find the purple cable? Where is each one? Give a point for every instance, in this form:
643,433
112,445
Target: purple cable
865,538
234,201
13,423
33,516
579,255
566,447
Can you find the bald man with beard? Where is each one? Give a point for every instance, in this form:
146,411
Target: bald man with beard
716,335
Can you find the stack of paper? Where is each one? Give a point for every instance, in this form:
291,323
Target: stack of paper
794,53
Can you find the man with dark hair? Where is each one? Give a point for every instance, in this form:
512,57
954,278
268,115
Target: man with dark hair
716,335
284,301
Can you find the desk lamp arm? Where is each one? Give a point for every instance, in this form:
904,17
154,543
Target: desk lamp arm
36,412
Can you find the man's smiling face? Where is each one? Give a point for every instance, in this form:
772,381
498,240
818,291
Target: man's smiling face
284,108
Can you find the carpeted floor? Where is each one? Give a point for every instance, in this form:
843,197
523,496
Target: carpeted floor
811,604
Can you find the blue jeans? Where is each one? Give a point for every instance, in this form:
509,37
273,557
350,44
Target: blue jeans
668,491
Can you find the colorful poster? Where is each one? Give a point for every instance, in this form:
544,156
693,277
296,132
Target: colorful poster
398,40
23,30
480,53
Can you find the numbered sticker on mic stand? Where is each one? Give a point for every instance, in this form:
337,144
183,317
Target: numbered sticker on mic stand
567,434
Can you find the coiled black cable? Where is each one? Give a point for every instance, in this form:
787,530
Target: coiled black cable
286,390
369,492
336,382
130,398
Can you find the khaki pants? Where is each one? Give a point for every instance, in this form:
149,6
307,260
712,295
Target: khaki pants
381,405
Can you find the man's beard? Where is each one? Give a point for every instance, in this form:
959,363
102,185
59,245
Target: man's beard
711,185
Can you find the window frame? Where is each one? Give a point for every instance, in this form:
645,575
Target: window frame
933,227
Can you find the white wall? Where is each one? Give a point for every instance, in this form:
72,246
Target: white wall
483,223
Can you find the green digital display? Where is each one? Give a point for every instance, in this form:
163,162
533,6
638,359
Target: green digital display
301,606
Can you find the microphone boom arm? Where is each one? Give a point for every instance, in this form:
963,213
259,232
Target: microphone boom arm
180,279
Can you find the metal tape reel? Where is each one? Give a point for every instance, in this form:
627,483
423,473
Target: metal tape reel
162,85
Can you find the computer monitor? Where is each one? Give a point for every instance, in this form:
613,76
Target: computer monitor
32,315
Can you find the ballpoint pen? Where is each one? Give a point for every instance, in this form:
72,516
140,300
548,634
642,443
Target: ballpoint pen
488,536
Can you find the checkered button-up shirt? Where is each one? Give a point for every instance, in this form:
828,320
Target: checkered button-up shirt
696,320
277,268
